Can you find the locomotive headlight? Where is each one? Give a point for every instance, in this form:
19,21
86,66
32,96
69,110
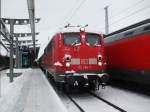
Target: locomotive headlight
68,60
100,63
68,57
99,57
67,64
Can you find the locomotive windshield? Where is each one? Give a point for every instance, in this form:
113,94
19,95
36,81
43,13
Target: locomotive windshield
71,39
93,39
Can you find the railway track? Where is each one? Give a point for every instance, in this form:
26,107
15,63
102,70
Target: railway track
99,98
92,94
107,102
74,102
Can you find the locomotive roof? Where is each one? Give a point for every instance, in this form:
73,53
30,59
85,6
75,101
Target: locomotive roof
147,21
128,33
77,29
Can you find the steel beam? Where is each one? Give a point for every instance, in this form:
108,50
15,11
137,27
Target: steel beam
17,53
4,45
20,21
106,21
11,50
24,34
4,31
31,10
0,46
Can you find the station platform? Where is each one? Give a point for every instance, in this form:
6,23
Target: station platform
30,92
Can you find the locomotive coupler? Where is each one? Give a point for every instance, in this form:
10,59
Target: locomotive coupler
103,85
76,83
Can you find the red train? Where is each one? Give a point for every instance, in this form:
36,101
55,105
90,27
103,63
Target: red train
76,58
128,53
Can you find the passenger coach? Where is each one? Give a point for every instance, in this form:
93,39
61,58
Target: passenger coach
128,53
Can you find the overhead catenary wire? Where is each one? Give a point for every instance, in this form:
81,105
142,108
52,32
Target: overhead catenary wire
131,14
70,11
127,8
64,21
69,15
75,11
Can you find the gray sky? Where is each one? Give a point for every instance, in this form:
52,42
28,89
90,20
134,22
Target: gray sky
56,13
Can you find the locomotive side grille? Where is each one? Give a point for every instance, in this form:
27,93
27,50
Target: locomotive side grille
75,61
92,61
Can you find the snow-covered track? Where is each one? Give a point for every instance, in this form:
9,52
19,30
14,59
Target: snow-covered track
77,105
80,106
107,102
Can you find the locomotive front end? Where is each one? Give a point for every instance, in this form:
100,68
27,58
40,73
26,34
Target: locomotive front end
82,59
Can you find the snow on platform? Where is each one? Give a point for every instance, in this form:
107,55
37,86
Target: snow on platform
17,70
128,100
30,92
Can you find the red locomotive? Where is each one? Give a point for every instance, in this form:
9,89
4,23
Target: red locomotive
128,53
76,58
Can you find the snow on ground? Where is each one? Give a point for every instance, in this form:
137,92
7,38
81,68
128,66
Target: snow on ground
5,84
86,101
18,70
30,92
67,102
128,100
125,99
11,91
92,104
41,96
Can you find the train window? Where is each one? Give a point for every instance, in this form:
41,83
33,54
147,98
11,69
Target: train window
146,28
93,39
71,39
44,51
129,33
50,45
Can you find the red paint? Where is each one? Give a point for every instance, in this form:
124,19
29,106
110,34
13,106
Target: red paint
83,51
129,53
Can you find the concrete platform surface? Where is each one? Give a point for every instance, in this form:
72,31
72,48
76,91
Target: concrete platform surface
31,92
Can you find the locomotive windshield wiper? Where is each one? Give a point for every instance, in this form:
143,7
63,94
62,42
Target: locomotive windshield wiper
75,42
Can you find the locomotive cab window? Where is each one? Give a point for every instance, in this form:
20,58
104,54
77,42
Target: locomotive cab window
71,39
93,39
129,33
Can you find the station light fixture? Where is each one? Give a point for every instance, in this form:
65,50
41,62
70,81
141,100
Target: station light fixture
19,21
